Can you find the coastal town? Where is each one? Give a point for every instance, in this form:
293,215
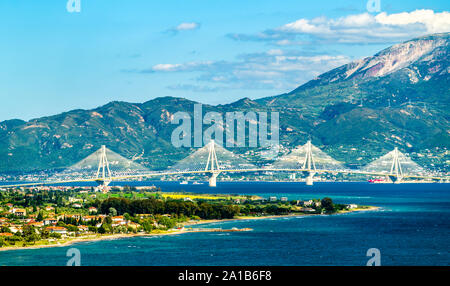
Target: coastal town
46,216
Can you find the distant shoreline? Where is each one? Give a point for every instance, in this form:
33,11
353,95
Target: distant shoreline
169,232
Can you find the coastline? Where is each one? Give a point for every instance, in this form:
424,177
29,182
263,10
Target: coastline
97,237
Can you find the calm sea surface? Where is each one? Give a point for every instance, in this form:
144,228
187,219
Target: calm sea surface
411,228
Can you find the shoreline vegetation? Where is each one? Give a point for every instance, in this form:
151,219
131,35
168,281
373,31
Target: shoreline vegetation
99,237
41,217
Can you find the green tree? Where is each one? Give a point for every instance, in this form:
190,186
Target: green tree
71,227
327,204
28,230
127,216
105,228
40,216
101,230
55,235
167,222
32,238
112,212
148,225
4,229
45,233
13,239
60,223
29,233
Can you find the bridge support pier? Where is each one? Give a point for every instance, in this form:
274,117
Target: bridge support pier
310,178
396,179
213,179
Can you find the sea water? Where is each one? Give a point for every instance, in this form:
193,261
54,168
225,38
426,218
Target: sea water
412,227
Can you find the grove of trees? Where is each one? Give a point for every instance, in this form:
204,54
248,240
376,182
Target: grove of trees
204,210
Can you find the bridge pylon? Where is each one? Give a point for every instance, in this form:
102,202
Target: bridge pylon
103,177
309,165
212,165
396,173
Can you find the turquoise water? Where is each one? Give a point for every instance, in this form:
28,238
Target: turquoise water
411,228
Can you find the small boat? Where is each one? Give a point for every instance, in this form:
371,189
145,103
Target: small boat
184,183
197,183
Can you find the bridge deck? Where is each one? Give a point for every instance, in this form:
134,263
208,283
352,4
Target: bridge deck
158,174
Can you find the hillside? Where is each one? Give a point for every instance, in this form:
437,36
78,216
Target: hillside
356,113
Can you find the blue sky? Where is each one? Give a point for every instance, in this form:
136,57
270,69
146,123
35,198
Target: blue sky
212,51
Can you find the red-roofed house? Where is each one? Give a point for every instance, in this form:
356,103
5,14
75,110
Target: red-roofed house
57,229
37,224
83,228
49,221
6,234
19,212
88,218
118,220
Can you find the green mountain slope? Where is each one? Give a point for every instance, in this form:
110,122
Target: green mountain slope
356,113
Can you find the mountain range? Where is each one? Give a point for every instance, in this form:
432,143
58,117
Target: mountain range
356,113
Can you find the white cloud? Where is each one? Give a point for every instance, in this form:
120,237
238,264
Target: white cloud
187,26
180,67
358,28
275,52
274,69
434,22
166,67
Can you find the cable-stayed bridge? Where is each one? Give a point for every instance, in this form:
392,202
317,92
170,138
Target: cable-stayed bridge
105,166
